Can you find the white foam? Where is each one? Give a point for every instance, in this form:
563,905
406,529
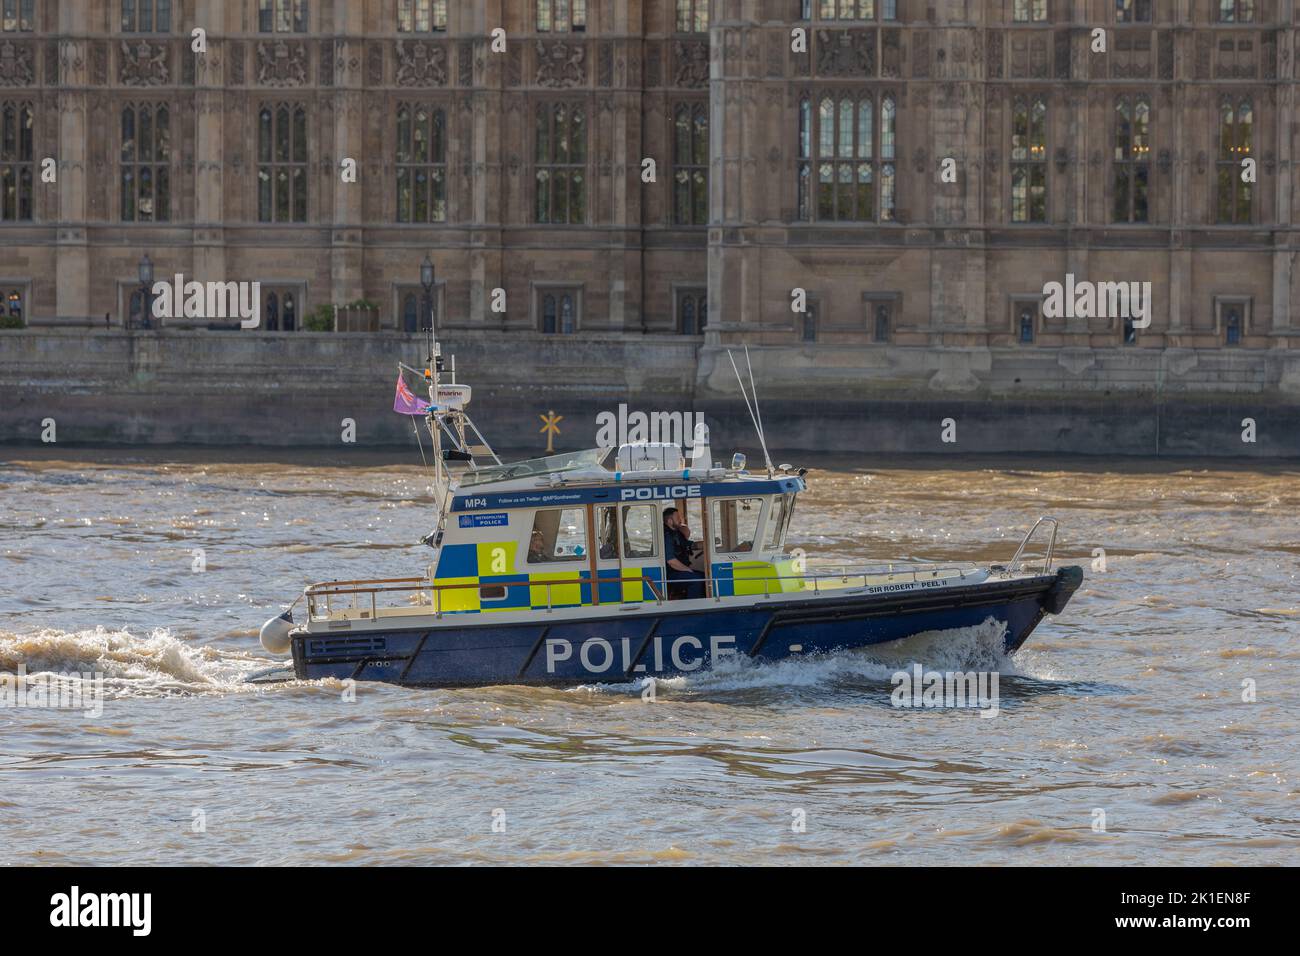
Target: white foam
978,648
131,666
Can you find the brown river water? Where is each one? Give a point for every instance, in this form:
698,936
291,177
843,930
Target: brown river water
1122,735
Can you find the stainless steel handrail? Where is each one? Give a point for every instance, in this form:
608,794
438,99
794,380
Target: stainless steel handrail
843,575
1051,545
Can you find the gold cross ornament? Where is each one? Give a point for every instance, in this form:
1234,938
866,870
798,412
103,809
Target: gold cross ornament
551,426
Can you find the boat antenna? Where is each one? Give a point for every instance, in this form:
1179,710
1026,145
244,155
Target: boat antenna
752,416
753,390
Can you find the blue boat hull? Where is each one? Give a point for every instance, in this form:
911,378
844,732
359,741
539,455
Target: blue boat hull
662,642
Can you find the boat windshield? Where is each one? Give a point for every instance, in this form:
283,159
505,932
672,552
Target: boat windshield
569,461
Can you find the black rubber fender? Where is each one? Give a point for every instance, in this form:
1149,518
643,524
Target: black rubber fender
1067,582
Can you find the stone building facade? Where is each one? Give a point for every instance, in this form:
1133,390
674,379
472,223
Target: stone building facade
920,169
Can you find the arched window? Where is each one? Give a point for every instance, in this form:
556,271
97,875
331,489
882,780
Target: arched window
1232,327
855,151
560,154
1029,159
411,313
282,163
1236,142
691,162
1026,326
883,315
139,311
17,167
290,314
421,16
692,311
421,163
146,164
558,310
1132,163
271,313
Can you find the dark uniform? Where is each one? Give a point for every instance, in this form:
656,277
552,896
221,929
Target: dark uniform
682,584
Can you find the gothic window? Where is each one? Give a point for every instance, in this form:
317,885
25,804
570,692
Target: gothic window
421,164
561,163
1232,326
421,16
1132,11
1232,317
1132,159
1029,11
415,312
691,165
282,16
282,163
18,16
281,308
1236,11
853,9
557,311
807,327
17,167
1236,125
847,145
692,311
1025,319
692,16
146,16
411,312
146,158
561,16
1029,159
11,306
881,310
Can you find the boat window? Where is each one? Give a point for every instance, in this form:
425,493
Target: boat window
640,531
606,532
775,523
559,534
735,523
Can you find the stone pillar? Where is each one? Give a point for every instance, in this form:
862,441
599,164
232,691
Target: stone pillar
346,253
208,236
72,263
1284,122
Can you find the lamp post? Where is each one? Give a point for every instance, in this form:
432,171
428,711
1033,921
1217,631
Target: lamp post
145,273
426,280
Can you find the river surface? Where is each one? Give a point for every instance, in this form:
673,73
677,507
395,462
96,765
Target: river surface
1122,735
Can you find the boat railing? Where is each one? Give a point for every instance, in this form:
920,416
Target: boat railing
1051,545
363,598
427,593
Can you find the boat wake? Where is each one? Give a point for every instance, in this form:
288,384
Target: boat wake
159,665
978,648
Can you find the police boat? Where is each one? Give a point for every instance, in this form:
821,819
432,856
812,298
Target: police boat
554,571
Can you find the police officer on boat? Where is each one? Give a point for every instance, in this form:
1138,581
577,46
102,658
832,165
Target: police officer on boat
677,558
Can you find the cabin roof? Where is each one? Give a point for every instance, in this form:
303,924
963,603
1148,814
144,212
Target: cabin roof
613,491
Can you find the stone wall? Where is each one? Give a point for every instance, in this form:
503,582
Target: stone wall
297,388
